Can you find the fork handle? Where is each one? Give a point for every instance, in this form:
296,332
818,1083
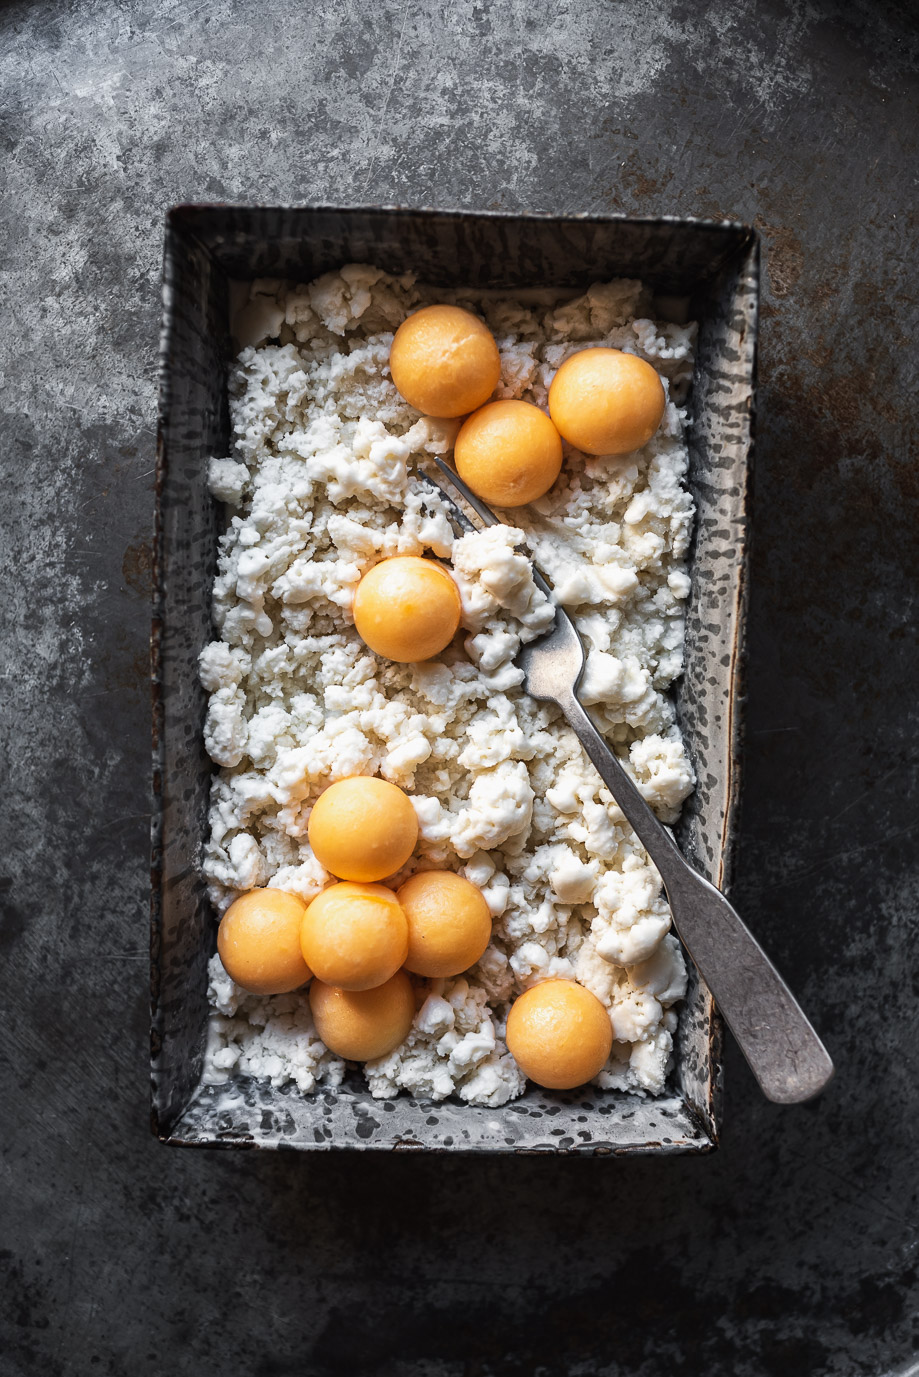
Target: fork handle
783,1051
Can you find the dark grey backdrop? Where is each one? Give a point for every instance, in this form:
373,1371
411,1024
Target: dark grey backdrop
791,1251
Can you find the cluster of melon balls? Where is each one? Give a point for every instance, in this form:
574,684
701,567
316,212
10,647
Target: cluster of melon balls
359,943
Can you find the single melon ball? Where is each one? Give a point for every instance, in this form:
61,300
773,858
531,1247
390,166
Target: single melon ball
354,935
362,1024
559,1034
606,402
407,608
259,942
509,453
449,923
444,361
362,828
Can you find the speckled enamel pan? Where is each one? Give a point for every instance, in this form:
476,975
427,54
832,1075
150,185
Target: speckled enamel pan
715,265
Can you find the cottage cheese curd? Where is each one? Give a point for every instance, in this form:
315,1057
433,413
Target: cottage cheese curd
320,486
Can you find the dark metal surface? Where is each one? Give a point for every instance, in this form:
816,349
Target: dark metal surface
790,1252
715,266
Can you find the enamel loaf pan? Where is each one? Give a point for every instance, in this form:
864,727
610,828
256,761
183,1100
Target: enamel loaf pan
715,265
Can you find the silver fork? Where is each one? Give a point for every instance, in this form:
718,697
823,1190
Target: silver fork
784,1053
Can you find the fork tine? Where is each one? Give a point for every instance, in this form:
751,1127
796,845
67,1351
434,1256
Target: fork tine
478,506
487,516
457,514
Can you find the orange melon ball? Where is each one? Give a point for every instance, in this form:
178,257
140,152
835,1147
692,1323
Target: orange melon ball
407,608
509,453
444,361
363,828
449,923
362,1024
259,942
559,1034
354,935
606,402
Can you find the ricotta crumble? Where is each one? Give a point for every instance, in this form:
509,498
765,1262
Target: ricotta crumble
321,484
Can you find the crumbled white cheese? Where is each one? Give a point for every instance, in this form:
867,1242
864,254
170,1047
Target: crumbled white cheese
453,1049
227,480
271,1038
321,484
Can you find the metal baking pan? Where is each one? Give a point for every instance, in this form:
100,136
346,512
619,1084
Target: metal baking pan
715,265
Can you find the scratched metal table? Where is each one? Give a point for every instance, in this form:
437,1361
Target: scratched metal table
791,1250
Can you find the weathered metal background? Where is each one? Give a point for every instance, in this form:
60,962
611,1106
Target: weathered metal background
789,1251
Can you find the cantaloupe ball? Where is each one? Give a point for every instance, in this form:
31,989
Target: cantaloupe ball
407,608
606,402
559,1034
509,453
259,942
449,923
363,828
361,1024
444,361
354,935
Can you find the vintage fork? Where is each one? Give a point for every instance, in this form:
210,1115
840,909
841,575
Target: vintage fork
784,1053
